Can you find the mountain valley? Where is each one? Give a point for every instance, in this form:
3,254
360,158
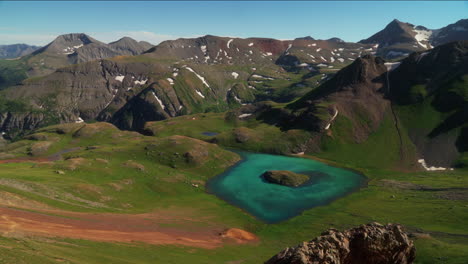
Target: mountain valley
129,152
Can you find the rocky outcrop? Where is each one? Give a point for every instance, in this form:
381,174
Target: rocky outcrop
368,244
285,178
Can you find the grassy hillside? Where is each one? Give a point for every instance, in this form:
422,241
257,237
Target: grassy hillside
127,173
12,72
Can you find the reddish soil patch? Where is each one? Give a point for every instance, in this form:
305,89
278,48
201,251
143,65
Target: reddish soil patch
114,228
239,235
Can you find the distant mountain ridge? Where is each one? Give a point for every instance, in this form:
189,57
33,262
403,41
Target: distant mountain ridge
16,50
77,48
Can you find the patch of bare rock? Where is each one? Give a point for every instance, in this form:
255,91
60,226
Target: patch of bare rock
367,244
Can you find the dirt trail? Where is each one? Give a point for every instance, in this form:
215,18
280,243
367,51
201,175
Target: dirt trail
111,227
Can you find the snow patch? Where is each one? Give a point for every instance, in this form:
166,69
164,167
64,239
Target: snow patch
422,35
119,78
262,77
79,120
244,115
200,94
237,99
159,100
203,48
333,118
198,76
431,168
142,82
318,50
235,75
392,65
250,44
170,80
229,43
340,60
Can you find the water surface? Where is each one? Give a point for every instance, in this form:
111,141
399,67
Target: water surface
243,186
210,134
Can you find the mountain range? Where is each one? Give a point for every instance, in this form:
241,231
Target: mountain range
129,83
16,50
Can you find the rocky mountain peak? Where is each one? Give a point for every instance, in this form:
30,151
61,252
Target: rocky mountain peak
73,37
67,44
129,46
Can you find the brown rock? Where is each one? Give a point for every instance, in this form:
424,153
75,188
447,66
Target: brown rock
368,244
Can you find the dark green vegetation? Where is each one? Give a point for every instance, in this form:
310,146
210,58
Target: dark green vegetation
286,178
12,72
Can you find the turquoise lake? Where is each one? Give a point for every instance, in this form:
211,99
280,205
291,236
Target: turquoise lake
243,186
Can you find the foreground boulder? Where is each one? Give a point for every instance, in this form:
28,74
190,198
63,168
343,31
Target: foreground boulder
286,178
368,244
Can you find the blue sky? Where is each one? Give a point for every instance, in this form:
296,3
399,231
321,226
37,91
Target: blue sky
40,22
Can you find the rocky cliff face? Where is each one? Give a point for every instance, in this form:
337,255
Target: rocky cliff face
367,244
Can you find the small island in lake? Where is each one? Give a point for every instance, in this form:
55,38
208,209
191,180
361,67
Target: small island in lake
286,178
